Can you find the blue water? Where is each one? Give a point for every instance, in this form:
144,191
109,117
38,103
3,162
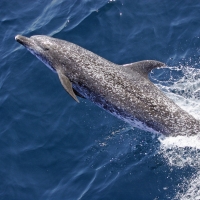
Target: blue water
53,148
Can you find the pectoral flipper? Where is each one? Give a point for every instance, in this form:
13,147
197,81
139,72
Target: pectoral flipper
66,83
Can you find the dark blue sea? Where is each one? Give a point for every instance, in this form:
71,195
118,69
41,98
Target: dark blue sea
52,148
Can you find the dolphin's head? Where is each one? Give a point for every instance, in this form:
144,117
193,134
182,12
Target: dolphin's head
43,47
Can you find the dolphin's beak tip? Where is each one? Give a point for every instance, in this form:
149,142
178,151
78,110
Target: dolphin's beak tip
17,37
22,39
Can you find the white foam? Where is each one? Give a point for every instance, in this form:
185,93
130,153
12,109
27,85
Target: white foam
181,141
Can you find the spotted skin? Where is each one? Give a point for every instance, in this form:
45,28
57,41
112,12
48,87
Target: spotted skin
125,91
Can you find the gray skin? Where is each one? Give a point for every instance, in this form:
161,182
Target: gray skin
123,90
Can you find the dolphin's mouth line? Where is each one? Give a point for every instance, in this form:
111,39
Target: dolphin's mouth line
28,42
25,41
21,39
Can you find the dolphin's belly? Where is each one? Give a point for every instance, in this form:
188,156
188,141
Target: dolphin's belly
122,112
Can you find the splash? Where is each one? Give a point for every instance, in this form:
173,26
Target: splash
183,87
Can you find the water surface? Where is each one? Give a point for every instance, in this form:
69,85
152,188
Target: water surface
53,148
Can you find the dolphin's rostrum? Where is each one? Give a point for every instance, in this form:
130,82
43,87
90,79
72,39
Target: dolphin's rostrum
123,90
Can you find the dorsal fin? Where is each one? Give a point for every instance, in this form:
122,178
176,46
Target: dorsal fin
143,67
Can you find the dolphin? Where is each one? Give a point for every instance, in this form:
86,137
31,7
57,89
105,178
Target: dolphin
123,90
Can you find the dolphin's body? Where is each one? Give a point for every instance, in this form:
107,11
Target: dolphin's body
125,91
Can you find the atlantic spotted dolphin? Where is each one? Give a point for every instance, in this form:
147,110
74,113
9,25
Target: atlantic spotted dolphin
123,90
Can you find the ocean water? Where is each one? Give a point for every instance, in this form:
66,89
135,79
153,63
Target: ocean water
53,148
